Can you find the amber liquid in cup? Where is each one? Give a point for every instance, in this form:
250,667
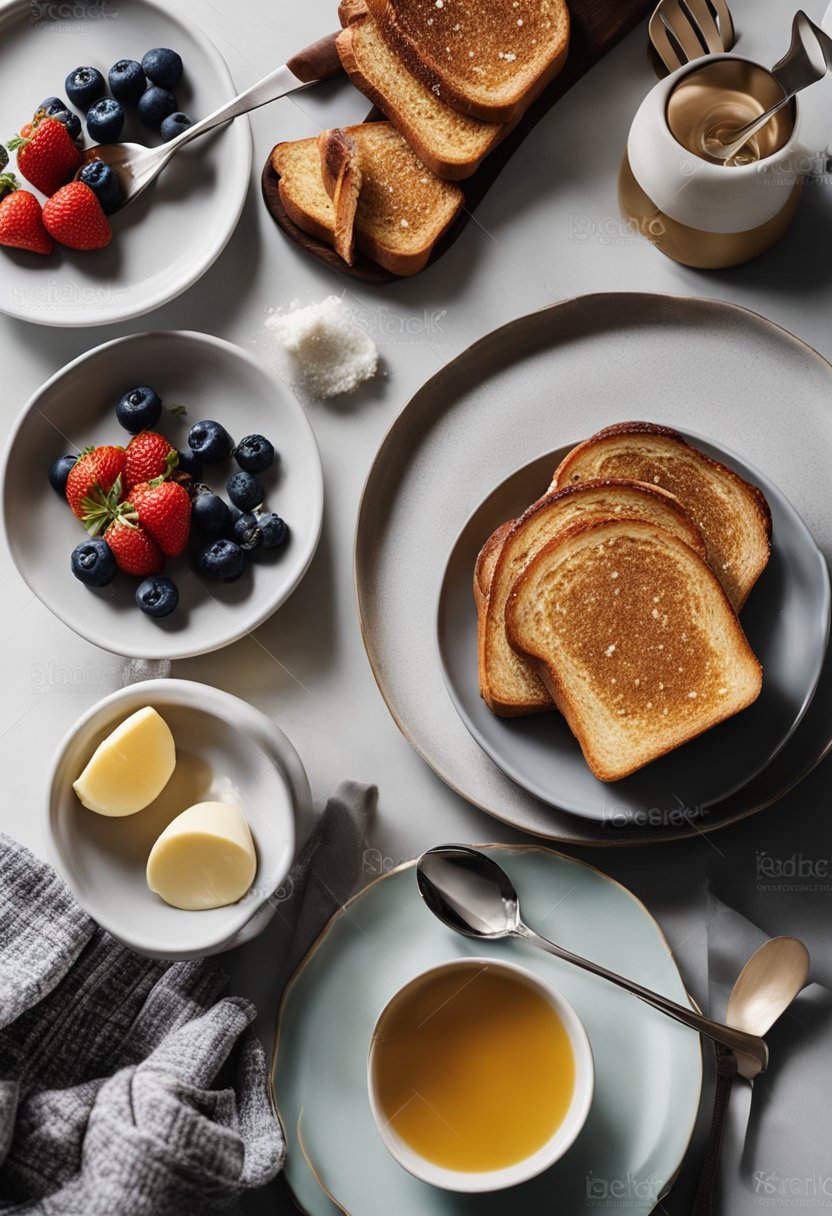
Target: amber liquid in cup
474,1069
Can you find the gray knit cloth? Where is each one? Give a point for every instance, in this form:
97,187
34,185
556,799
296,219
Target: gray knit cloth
127,1085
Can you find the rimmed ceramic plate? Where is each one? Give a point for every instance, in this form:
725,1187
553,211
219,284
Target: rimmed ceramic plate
786,620
648,1069
167,239
533,386
211,378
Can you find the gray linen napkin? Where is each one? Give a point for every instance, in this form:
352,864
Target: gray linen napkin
129,1085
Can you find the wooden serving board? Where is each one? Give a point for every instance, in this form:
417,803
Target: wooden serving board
597,25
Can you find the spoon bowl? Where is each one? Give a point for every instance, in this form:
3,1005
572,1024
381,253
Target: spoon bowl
764,989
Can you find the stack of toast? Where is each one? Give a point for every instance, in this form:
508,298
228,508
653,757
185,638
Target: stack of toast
452,77
615,597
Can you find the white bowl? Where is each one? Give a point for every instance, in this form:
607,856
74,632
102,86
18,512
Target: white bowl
561,1140
226,751
211,378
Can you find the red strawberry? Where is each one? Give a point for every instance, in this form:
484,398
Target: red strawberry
47,157
149,455
21,219
163,509
94,485
135,551
75,218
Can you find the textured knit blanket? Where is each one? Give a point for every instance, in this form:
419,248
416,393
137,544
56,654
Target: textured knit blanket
129,1085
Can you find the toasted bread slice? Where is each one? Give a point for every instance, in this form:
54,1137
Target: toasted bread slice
638,673
489,60
487,560
452,145
732,515
341,174
402,210
509,685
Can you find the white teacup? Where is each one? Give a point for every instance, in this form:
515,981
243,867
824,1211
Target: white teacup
696,209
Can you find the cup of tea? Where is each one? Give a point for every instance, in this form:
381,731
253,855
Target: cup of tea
480,1075
697,208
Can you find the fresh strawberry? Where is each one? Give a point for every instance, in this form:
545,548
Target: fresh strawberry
135,551
21,219
163,509
74,217
149,455
94,485
47,157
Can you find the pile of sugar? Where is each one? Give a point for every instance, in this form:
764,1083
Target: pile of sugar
331,353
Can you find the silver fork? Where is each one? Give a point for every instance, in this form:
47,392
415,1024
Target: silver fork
682,30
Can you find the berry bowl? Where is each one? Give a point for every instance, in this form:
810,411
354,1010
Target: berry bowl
200,379
226,751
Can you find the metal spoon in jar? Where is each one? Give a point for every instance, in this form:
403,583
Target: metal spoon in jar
472,894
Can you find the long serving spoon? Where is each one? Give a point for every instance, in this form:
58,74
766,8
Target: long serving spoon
766,986
473,895
136,166
807,60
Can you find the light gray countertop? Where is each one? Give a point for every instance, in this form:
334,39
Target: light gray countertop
548,230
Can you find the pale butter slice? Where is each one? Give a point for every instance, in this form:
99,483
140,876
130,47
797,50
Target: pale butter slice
204,858
130,767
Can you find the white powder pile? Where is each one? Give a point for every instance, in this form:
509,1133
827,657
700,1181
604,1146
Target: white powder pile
329,351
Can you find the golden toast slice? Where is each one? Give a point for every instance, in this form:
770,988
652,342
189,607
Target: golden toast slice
509,685
732,515
634,637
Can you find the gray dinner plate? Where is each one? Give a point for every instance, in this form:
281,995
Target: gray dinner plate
533,386
786,621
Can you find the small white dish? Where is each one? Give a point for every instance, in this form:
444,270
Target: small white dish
227,751
166,240
211,378
564,1136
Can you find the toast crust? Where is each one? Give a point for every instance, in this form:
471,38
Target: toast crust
639,673
732,514
489,64
414,110
341,173
509,686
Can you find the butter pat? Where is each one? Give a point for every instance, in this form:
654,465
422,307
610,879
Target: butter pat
204,858
130,767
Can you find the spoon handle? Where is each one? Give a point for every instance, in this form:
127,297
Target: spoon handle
737,1040
726,1070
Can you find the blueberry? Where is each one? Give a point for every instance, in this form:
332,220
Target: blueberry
59,472
254,453
222,560
157,596
245,490
190,463
163,67
93,563
210,441
70,120
174,125
105,120
139,409
210,513
84,85
246,532
51,105
126,79
274,529
102,179
154,106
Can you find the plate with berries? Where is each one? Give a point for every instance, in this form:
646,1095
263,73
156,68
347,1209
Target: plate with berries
165,519
74,78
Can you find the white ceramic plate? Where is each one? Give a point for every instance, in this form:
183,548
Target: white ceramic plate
212,379
648,1069
166,240
226,751
786,621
